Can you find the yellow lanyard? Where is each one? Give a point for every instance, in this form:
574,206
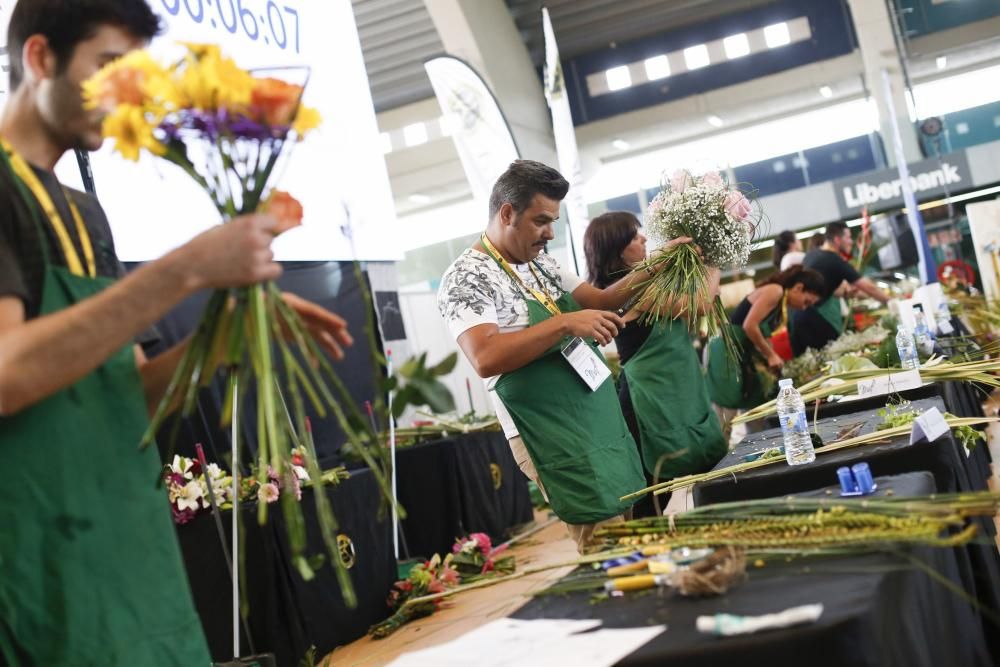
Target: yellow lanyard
24,171
541,296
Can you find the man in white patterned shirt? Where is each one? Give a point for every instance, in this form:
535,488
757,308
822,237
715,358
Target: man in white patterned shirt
517,315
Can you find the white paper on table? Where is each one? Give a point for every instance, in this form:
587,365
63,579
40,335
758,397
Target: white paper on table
929,426
509,641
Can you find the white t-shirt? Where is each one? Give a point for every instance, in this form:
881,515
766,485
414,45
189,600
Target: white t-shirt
475,290
791,259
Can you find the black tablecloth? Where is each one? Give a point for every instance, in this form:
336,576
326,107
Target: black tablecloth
877,611
945,458
896,455
287,614
453,487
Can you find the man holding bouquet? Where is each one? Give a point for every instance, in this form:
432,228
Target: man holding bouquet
529,329
90,571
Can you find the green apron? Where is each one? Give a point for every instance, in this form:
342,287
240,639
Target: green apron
90,569
830,311
731,384
676,421
577,438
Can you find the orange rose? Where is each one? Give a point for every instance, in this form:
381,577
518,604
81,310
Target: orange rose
285,208
274,101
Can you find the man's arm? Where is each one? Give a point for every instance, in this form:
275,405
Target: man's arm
492,353
615,295
871,289
46,354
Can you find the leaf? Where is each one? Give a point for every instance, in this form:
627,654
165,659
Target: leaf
435,394
445,366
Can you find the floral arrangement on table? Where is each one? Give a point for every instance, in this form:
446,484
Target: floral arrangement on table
188,489
722,221
473,561
474,557
429,578
904,414
845,353
228,129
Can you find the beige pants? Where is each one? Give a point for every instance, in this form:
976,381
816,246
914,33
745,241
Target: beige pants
581,533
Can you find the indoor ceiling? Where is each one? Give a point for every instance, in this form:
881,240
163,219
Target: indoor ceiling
398,35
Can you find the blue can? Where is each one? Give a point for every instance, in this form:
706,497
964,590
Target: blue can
847,483
863,476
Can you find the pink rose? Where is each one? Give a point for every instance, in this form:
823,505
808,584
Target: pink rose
737,205
680,180
712,179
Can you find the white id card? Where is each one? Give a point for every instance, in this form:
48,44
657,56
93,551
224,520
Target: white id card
586,363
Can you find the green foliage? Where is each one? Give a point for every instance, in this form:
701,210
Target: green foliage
415,384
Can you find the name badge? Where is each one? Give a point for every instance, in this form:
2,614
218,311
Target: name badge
584,360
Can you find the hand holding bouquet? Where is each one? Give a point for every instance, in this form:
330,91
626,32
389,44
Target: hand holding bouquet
227,129
720,222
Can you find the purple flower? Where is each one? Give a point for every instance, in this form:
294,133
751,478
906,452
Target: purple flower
181,517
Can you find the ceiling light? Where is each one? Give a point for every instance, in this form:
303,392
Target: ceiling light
942,62
620,144
386,142
618,78
826,91
696,56
657,67
777,35
715,121
736,46
415,134
419,199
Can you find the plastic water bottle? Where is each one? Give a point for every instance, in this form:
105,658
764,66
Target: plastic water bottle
921,332
794,429
907,348
944,319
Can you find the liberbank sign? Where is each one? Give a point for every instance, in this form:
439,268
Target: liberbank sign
881,190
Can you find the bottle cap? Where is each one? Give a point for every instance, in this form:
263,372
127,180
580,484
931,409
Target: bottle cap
848,485
785,382
863,476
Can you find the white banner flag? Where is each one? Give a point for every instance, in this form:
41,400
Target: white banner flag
565,135
472,116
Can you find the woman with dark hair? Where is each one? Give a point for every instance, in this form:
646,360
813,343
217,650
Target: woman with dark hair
787,250
761,313
661,388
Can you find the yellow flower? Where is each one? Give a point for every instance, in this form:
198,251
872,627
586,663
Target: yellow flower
132,132
306,120
208,81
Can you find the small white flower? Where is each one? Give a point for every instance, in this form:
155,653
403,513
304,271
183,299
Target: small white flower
301,473
189,496
181,466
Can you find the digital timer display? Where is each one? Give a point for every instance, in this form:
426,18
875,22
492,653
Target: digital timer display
268,22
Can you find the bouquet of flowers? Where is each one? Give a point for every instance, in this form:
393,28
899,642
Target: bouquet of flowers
227,129
188,491
433,576
474,557
722,222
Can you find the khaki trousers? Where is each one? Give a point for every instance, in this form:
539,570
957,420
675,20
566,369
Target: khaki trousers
581,533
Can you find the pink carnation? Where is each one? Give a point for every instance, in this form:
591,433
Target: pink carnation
268,492
483,540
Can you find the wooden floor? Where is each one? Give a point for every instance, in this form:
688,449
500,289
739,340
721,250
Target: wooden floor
473,609
550,545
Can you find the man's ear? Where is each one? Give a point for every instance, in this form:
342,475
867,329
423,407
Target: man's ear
507,214
38,60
